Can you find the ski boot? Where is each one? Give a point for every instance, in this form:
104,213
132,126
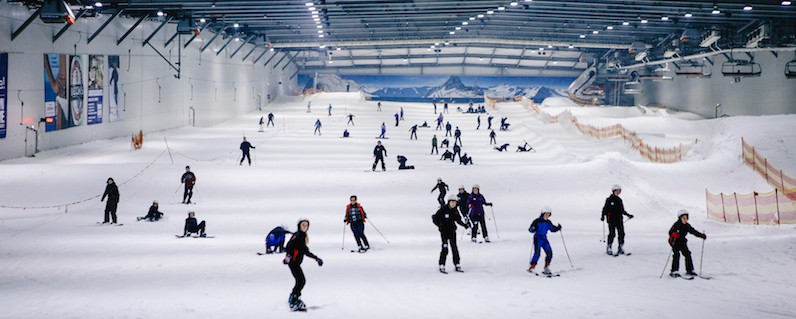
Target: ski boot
486,239
362,249
674,274
459,268
547,271
292,299
620,251
691,273
442,269
531,268
298,305
472,239
608,250
203,234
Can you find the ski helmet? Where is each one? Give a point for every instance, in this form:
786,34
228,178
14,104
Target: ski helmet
302,219
439,179
155,201
616,187
476,186
681,213
461,187
546,209
453,197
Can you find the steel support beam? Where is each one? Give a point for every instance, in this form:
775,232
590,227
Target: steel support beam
25,24
250,53
528,43
141,19
104,24
196,34
707,56
280,60
269,59
241,46
211,40
260,56
289,61
162,24
66,27
174,36
226,44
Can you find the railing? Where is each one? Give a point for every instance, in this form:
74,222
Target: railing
770,208
773,175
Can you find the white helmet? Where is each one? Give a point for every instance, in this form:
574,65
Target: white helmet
453,197
546,209
302,219
439,179
616,187
461,187
681,213
155,201
476,186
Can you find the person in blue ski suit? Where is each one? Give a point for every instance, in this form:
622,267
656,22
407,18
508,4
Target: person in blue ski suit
539,229
275,241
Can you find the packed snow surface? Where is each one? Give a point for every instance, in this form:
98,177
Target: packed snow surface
58,263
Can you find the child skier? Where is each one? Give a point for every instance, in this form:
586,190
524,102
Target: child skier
296,249
153,215
615,212
355,215
443,189
539,229
476,202
679,244
446,219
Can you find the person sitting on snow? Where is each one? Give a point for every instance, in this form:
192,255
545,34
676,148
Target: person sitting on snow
524,148
466,160
402,163
346,134
448,155
502,147
445,143
275,241
153,215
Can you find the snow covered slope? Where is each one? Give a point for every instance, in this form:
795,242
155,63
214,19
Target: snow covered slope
60,264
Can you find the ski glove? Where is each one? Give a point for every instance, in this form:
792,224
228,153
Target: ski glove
558,227
630,216
488,204
704,236
320,261
602,218
286,260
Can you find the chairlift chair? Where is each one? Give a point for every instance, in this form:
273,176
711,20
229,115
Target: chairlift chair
693,70
790,69
741,68
632,87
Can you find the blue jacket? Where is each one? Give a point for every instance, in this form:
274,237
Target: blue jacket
476,203
540,227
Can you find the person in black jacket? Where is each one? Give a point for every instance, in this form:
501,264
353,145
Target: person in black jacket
296,249
192,227
153,215
379,152
614,211
189,179
679,244
356,216
244,147
443,189
463,195
112,192
446,219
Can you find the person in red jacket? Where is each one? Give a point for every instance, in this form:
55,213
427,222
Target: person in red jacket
296,249
679,244
355,215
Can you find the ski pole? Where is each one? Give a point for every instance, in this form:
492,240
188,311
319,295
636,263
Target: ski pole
178,188
343,245
378,231
603,239
565,248
494,220
701,254
664,265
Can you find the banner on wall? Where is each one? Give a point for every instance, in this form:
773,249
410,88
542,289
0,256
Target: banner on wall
114,113
96,88
3,92
77,95
55,88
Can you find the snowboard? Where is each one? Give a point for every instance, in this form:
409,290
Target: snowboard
103,224
193,236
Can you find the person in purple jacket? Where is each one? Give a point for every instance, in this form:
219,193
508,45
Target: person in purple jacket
476,202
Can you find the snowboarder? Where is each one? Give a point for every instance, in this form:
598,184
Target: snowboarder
443,189
446,219
614,211
479,122
192,227
262,121
448,128
456,150
679,244
383,130
296,249
275,241
378,105
434,145
539,229
502,148
396,119
244,148
492,139
457,134
447,155
189,179
525,148
476,202
413,132
317,127
445,107
309,103
356,217
379,152
350,119
489,122
345,133
330,109
270,119
402,163
153,214
463,195
466,160
112,192
402,113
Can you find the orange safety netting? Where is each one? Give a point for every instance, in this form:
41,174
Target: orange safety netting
773,175
491,102
756,208
309,92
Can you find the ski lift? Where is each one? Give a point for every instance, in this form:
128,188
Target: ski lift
632,87
658,74
693,70
741,68
790,69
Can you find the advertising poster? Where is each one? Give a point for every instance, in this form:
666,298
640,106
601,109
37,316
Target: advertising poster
3,92
114,112
55,88
96,88
77,95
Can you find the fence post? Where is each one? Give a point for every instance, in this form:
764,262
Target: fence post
723,209
781,180
776,199
757,217
707,205
766,168
737,209
754,158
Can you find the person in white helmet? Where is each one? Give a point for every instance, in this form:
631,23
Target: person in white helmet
443,189
476,203
153,215
614,212
679,244
446,219
539,229
296,249
463,209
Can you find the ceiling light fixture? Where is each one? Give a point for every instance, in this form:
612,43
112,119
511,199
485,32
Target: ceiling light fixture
338,49
785,3
715,10
472,18
549,46
237,39
688,15
747,7
99,4
625,23
322,46
609,27
643,21
582,36
202,20
320,31
464,23
664,18
236,25
490,12
501,8
513,4
480,16
160,13
308,4
571,46
595,32
314,15
320,35
319,26
458,28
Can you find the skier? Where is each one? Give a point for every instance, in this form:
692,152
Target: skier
275,241
413,132
476,202
402,113
153,215
439,122
317,127
457,134
479,123
539,229
189,179
492,138
489,122
445,143
447,155
466,160
296,249
244,147
502,148
379,152
445,107
261,124
525,148
425,124
614,211
446,219
270,119
378,105
448,128
350,119
679,244
192,227
330,109
456,150
443,189
396,119
434,145
383,130
112,192
308,106
356,216
463,195
402,163
435,106
504,126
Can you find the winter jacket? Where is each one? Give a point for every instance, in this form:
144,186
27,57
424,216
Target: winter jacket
379,151
434,141
245,146
476,203
297,248
190,225
443,188
678,232
540,227
463,202
446,219
614,210
112,192
356,214
153,212
188,178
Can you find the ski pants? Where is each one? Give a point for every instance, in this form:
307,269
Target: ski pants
434,148
441,199
613,229
358,228
448,132
200,228
379,158
110,211
541,242
350,122
680,246
492,141
270,122
188,193
413,134
448,238
396,122
458,138
478,219
317,130
298,275
246,155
